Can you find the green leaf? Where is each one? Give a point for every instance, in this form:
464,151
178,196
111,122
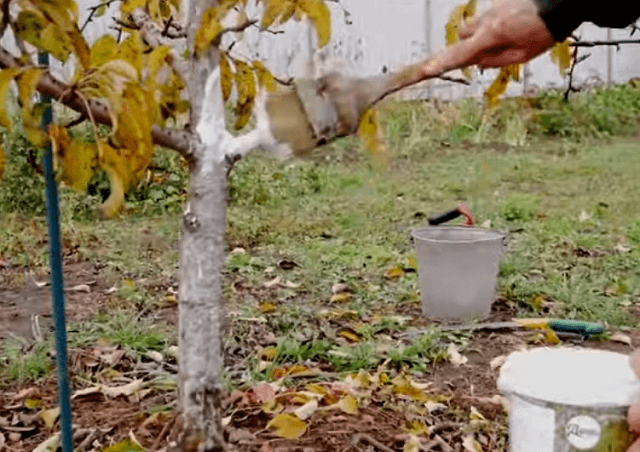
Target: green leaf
100,11
125,446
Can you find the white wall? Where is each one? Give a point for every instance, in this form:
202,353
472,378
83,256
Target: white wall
395,32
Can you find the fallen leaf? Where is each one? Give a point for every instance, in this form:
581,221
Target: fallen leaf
306,410
341,297
32,403
79,288
498,361
434,407
291,285
239,434
126,390
275,281
622,338
49,417
412,444
584,216
288,426
48,445
23,394
268,353
349,335
264,392
267,307
348,404
622,248
393,272
454,355
476,415
155,356
341,288
470,444
416,427
128,445
14,437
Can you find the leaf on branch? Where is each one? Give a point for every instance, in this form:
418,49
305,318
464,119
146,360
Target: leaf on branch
130,50
499,85
104,49
29,25
275,9
209,30
157,58
246,86
27,83
100,10
320,16
265,78
6,76
561,55
128,6
370,131
74,160
55,42
452,27
226,76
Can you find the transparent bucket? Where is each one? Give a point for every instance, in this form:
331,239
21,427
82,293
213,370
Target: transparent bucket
458,270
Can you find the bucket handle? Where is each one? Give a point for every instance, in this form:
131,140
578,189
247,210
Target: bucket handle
452,214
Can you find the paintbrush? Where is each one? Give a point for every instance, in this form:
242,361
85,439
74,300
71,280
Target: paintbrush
312,112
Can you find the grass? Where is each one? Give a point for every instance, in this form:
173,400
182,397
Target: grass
561,179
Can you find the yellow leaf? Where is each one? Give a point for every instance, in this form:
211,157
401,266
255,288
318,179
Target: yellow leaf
288,12
416,427
246,87
74,160
287,426
27,83
470,444
128,445
56,42
341,297
129,6
32,404
240,21
393,272
104,49
412,444
210,28
268,353
370,131
265,78
29,25
349,335
561,55
157,59
36,135
226,76
6,76
273,10
130,50
80,47
348,404
320,16
452,26
497,88
267,307
49,417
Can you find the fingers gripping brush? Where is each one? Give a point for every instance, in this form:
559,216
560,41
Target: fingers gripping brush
313,112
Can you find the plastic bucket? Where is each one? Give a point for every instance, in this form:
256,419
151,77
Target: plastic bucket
568,399
457,269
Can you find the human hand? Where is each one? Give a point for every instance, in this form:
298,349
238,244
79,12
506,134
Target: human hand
633,416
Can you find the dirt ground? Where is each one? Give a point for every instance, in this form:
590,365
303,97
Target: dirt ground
100,420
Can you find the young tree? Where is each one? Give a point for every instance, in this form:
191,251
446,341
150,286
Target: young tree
139,85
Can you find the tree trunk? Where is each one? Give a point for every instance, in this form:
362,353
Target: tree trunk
201,265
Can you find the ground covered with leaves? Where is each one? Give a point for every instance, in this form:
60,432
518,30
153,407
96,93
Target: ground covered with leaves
321,283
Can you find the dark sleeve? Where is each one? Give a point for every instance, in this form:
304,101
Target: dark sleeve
562,17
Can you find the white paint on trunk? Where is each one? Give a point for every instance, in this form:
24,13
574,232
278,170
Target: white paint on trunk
219,143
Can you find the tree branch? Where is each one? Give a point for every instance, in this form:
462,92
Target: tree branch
575,62
238,28
94,9
170,138
604,43
455,80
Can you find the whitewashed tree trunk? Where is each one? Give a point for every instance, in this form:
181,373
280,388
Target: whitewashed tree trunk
201,263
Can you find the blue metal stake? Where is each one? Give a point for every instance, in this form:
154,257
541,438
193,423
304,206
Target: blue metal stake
57,292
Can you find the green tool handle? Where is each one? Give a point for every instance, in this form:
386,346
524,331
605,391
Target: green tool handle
576,326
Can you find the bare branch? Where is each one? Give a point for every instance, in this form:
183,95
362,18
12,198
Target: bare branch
6,17
94,9
237,29
574,63
455,80
604,43
177,140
